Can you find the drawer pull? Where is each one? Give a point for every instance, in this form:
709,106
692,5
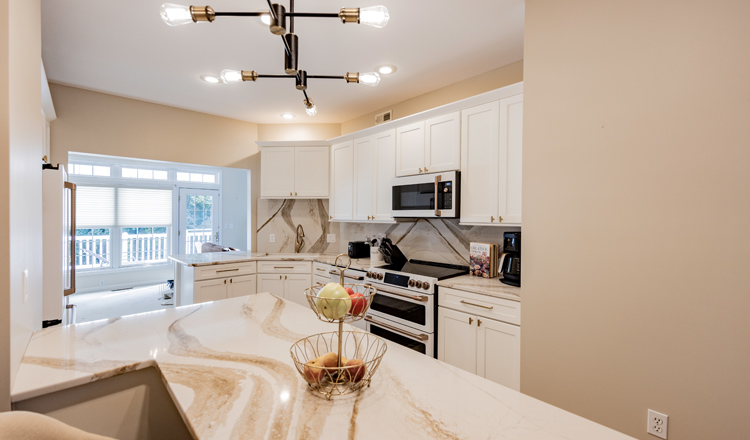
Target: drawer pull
322,270
421,337
228,270
283,267
476,305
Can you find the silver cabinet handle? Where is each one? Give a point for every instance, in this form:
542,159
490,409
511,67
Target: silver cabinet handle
404,295
476,305
228,270
421,337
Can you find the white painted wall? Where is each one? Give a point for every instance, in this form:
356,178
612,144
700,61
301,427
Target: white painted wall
234,212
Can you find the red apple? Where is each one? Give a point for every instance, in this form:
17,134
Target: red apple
356,370
358,303
314,370
349,290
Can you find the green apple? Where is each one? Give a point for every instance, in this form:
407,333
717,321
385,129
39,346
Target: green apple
333,302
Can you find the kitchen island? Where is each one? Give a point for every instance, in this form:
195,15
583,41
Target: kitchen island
237,352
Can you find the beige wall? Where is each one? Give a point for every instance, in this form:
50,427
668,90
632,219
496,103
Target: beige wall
636,213
298,132
494,79
20,185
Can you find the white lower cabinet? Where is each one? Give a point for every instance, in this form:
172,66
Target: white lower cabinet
285,279
222,288
479,344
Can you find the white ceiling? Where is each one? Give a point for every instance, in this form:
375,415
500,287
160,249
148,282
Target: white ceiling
124,48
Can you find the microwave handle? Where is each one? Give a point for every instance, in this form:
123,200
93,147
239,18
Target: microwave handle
437,211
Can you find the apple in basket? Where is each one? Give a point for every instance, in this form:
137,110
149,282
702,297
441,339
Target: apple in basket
315,370
333,302
358,303
356,370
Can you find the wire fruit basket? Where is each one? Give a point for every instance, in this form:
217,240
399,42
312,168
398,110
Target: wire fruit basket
340,362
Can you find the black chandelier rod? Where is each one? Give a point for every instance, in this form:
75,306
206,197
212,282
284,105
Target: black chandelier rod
288,14
295,76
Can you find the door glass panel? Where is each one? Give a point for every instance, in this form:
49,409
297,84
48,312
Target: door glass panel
398,308
414,197
198,222
401,340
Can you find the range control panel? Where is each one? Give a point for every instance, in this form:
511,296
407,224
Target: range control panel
414,283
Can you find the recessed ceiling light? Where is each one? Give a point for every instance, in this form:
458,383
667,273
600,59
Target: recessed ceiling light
386,69
287,116
210,79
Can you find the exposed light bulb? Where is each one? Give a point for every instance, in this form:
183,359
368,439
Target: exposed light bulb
176,15
210,79
230,76
311,111
375,16
369,79
266,19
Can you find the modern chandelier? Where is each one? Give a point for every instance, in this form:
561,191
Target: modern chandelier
376,16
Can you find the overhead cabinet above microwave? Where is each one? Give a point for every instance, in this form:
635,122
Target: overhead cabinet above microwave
294,172
429,146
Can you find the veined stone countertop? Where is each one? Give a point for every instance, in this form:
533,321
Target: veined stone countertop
237,350
213,258
483,286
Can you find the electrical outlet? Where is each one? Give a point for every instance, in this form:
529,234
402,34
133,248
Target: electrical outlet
657,424
331,238
271,238
101,283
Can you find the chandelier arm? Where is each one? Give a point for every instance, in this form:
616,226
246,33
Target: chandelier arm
276,76
291,16
314,14
239,14
325,77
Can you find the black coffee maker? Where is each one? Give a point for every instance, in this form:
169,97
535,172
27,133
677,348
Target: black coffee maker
510,265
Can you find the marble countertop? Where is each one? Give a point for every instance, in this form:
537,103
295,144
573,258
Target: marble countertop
483,286
243,344
213,258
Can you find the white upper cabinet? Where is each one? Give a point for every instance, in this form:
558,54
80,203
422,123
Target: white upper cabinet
364,178
385,170
311,172
442,143
429,146
342,182
491,149
277,172
294,172
361,177
410,149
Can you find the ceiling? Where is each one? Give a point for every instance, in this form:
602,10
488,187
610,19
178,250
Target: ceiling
123,48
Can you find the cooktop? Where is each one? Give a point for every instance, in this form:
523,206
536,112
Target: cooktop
439,271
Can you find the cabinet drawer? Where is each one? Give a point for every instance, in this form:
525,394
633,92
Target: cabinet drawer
480,305
286,267
321,279
321,270
224,270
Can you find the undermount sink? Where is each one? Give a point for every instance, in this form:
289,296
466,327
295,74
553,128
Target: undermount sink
130,406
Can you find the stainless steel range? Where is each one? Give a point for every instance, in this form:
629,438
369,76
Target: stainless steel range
405,308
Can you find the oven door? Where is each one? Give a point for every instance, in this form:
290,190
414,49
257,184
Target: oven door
426,195
420,342
416,311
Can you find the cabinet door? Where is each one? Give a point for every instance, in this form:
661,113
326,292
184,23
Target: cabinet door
410,149
209,290
342,181
295,286
511,143
277,172
385,170
272,283
311,172
443,143
479,164
457,339
241,286
499,353
363,178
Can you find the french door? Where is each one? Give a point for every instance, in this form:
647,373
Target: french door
200,212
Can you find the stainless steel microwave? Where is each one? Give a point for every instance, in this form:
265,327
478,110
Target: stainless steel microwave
426,195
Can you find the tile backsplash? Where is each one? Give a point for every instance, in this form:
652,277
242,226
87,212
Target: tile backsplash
442,240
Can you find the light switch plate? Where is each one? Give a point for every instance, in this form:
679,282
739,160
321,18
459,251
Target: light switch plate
271,238
331,238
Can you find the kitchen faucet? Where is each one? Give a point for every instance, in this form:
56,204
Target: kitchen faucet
300,240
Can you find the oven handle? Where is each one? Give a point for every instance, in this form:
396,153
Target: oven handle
421,337
403,295
358,278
